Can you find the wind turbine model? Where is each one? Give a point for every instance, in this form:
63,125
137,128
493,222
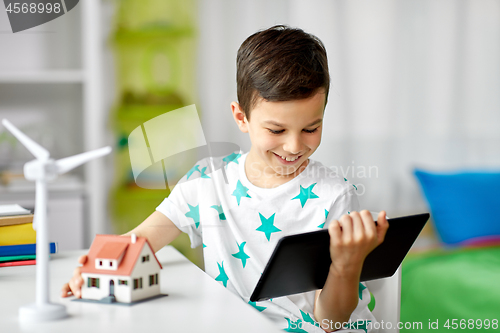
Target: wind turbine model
42,170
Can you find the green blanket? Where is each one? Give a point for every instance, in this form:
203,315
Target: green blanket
460,284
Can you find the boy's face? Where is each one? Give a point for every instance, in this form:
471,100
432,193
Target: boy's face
283,134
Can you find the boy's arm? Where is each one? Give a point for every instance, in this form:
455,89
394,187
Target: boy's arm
351,240
158,229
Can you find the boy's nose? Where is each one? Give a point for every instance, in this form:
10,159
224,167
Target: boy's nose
293,146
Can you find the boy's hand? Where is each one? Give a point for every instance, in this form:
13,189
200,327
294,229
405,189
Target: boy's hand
353,238
74,287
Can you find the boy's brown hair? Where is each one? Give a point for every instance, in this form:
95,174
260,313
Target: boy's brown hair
280,64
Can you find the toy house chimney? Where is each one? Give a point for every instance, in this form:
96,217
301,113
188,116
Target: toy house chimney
134,238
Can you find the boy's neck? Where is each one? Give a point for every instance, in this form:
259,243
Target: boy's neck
262,175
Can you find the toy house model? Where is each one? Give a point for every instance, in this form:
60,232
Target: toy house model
120,268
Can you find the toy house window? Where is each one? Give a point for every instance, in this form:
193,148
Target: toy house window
110,264
92,282
122,282
100,262
153,279
145,258
138,283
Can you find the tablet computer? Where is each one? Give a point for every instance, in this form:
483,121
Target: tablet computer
301,262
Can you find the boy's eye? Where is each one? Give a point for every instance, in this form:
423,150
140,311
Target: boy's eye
275,132
310,131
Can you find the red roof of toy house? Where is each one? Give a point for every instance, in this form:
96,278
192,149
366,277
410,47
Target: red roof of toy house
111,247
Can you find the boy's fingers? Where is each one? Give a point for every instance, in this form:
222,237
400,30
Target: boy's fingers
65,290
346,224
382,226
335,232
76,282
79,281
368,223
75,287
77,272
82,259
357,226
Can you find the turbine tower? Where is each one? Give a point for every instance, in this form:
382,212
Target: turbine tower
41,170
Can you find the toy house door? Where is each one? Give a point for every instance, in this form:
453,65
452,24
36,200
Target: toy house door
111,288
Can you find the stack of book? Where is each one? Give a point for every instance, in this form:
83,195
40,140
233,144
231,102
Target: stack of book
17,237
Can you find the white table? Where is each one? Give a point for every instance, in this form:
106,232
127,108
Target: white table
196,302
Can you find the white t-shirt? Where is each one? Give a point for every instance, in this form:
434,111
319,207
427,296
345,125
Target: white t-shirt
239,225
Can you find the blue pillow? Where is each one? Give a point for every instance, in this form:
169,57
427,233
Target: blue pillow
464,205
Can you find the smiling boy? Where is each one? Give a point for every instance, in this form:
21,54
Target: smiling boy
274,190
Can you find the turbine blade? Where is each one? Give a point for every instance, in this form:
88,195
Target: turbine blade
69,163
38,151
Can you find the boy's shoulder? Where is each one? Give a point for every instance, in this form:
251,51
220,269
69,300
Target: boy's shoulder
327,177
206,165
220,160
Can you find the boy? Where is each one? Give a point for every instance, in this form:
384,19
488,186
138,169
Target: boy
273,190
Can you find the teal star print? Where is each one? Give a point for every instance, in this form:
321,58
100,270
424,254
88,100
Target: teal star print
360,290
194,213
254,304
241,254
232,158
222,275
240,192
203,174
220,211
323,224
267,226
305,194
204,246
355,187
307,318
294,326
193,169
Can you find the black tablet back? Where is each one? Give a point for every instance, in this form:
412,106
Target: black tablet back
301,262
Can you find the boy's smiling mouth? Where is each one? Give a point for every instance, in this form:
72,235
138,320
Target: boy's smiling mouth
287,159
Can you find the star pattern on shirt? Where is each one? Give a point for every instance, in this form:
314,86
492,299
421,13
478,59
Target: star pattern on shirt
323,224
203,174
267,226
305,194
193,169
194,213
222,277
240,192
360,290
232,158
254,304
294,326
219,210
307,317
241,254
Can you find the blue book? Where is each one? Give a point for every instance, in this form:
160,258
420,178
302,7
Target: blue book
23,249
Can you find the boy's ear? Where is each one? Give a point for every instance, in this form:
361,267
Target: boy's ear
239,117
